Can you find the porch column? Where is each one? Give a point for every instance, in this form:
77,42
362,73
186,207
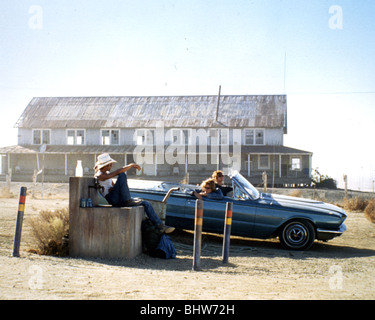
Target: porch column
9,169
66,164
156,164
37,161
279,165
248,164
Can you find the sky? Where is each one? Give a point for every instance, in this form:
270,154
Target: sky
320,53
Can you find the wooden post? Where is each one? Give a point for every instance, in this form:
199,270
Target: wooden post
227,231
264,177
17,235
197,234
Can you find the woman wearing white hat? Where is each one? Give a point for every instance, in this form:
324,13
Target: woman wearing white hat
118,194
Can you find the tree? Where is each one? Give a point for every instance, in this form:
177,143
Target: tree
321,181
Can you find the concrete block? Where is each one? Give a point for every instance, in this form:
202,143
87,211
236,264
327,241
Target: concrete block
102,232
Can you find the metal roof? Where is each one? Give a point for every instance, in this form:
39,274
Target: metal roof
260,111
66,149
268,149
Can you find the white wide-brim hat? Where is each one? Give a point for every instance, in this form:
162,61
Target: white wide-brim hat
103,160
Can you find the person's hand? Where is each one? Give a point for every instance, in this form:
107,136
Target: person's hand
198,195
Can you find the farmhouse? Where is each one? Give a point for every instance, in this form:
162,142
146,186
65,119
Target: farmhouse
172,137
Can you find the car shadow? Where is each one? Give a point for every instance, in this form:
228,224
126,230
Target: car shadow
242,247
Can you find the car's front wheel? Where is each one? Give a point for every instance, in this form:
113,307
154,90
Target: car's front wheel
297,235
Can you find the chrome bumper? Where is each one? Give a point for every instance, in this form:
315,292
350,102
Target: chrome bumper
326,234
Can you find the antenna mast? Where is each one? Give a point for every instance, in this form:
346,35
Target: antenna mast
217,104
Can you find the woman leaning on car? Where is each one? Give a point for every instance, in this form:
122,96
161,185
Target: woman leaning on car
208,189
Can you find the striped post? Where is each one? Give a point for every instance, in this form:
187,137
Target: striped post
227,230
198,234
17,235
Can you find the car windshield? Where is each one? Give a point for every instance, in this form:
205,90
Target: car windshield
247,186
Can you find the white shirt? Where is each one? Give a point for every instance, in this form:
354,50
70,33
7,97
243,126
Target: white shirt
106,184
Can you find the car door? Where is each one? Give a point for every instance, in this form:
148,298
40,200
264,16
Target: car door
177,213
244,213
213,213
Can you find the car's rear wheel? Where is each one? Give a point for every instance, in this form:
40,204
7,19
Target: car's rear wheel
297,235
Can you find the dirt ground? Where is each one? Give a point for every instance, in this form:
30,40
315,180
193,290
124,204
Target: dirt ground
343,268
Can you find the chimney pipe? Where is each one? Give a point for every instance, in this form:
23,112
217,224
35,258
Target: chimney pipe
217,104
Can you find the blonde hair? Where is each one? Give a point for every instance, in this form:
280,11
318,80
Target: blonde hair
210,182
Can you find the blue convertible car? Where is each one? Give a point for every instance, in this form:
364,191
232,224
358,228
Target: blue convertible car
296,221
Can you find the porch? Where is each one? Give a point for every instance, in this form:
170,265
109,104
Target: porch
283,166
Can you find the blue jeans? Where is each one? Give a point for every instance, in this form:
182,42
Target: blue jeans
120,197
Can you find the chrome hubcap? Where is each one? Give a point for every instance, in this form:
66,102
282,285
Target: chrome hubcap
296,234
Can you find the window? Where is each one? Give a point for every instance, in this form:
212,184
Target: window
80,137
110,137
176,136
37,139
254,136
239,194
140,137
144,137
41,136
181,136
224,136
218,137
249,136
296,163
264,161
214,137
75,137
186,136
259,136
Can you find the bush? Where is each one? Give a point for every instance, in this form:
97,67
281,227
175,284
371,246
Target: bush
370,211
296,193
322,181
6,194
356,204
50,230
327,183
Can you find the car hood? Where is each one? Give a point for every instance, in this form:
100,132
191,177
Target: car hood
302,203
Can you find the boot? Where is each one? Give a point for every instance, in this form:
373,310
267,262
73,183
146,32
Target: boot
165,229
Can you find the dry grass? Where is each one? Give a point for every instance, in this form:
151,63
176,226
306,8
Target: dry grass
49,229
296,193
357,204
6,194
370,211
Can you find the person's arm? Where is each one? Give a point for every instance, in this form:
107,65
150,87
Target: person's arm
197,193
108,175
